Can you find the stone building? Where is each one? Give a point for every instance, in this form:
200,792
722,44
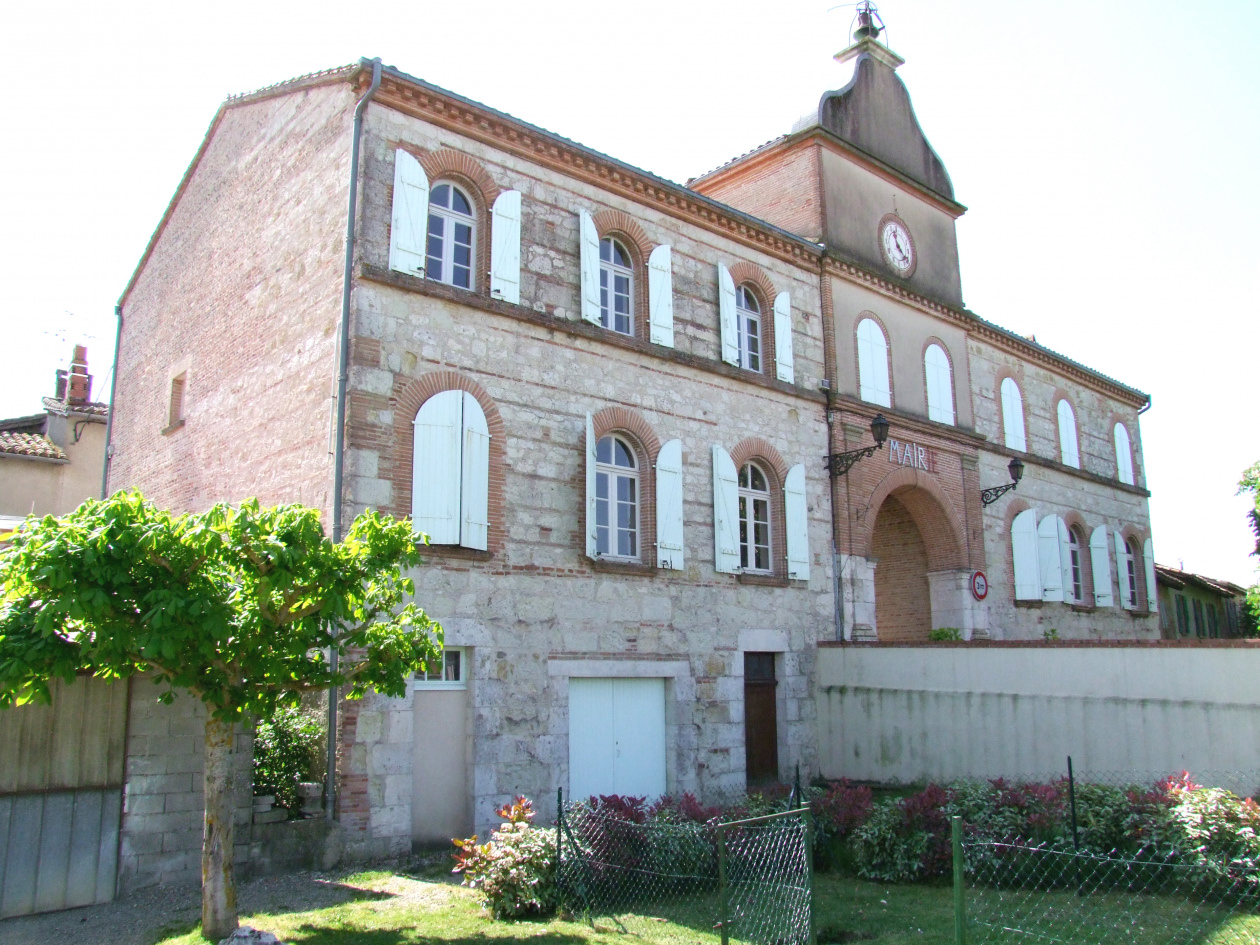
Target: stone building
608,399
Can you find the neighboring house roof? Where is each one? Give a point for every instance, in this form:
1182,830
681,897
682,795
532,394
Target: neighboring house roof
1171,577
29,444
67,408
31,424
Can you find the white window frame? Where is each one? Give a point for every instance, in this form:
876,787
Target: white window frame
611,474
938,376
1069,442
1124,454
446,259
874,383
749,499
1014,434
419,682
1131,573
748,329
1076,569
608,273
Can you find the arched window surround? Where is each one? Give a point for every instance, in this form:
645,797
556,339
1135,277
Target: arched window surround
998,381
1076,526
927,381
410,394
1061,397
857,357
768,459
623,228
754,279
1123,423
632,428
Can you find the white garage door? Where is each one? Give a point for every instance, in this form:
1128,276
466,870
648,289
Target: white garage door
616,737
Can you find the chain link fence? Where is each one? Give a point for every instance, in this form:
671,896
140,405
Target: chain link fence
747,880
1142,860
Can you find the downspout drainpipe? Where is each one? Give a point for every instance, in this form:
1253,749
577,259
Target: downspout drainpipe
343,376
109,417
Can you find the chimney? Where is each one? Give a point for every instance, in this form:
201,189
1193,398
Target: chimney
79,381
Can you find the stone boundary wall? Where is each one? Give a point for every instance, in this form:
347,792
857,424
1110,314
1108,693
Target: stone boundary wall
917,713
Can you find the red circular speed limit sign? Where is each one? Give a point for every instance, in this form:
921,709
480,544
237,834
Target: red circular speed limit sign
979,585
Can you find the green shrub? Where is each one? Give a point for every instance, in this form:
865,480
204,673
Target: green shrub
515,871
945,635
1218,832
288,748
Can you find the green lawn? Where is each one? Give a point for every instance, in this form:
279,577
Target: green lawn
387,908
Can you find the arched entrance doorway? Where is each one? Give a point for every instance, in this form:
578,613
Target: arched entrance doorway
903,599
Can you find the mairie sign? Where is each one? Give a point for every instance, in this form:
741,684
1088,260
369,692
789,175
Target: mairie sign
912,454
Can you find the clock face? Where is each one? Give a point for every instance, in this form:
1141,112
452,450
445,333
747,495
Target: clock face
897,245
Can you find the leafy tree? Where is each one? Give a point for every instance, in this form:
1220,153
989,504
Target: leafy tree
1250,483
240,606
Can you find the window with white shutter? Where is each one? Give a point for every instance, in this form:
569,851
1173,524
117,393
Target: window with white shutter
410,215
726,316
661,296
451,249
451,471
1100,561
505,247
784,362
1024,555
1069,452
796,511
1126,573
1013,416
588,242
1124,455
725,512
616,287
873,385
669,506
592,462
940,384
748,328
1051,537
1152,590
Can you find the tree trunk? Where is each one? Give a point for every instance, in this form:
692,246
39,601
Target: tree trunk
218,884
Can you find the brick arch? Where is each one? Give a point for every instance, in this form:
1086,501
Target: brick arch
450,163
754,448
408,396
746,273
931,510
632,427
621,225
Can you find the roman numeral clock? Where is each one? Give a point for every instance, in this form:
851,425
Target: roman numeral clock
897,245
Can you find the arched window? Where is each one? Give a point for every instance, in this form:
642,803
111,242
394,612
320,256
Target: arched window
754,519
1124,455
616,499
1074,593
1013,416
616,287
940,384
1129,574
452,232
873,386
1068,451
450,491
748,328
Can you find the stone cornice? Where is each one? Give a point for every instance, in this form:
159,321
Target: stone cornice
503,132
975,325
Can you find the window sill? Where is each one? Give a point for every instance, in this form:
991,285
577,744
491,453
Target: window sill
456,551
177,425
763,580
1035,604
621,566
1083,608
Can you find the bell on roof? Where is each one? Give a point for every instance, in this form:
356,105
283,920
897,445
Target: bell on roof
869,22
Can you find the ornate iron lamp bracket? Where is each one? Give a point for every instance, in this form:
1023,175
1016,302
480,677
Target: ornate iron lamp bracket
991,495
840,463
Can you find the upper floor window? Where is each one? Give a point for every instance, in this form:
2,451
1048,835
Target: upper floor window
754,519
940,384
1124,455
1075,591
616,499
1013,416
616,287
452,227
1129,574
748,330
873,385
1068,451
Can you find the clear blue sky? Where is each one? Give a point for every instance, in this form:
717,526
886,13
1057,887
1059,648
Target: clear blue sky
1107,153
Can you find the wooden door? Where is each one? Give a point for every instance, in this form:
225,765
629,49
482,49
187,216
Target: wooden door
761,722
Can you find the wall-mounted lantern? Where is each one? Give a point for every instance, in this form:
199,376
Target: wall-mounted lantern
841,463
991,495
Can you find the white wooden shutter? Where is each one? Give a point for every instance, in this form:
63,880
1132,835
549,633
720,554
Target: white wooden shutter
940,385
1100,559
1069,451
410,219
796,511
661,296
783,359
1124,455
592,538
588,238
1148,559
726,316
725,512
669,506
1122,571
1024,556
505,247
1048,559
436,468
873,386
475,497
1065,561
1013,416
